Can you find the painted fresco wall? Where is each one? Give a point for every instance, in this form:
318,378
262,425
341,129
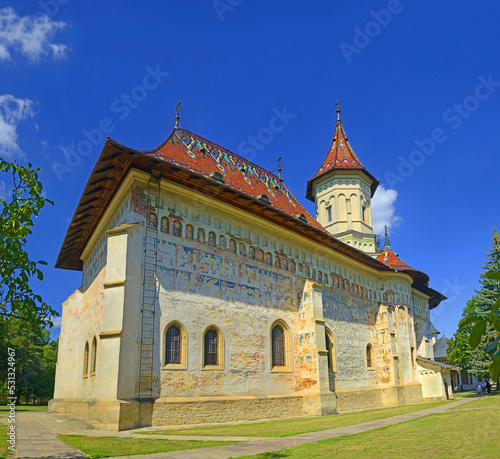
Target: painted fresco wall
217,269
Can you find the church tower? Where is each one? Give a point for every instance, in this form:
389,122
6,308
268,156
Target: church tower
342,190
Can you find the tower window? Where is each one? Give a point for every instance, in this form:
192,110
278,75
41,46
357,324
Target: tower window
329,213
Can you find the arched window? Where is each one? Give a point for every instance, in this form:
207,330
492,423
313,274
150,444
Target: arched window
222,242
260,255
232,245
320,276
278,346
211,348
189,231
200,236
86,360
173,345
251,252
242,249
370,363
212,239
326,279
93,356
285,264
330,347
269,259
300,269
314,274
164,225
308,272
292,266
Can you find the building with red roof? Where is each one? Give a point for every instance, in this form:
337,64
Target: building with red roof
210,293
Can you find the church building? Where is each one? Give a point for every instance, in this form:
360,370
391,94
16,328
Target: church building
209,293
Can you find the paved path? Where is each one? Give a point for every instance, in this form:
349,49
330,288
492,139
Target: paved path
36,436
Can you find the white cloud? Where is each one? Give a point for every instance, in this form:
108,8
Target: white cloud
29,35
56,321
384,210
12,112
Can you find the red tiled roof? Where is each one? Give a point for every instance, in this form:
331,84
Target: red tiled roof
341,156
388,257
196,154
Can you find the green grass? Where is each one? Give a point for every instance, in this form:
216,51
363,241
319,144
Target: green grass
5,408
114,446
464,394
3,441
296,426
492,399
449,435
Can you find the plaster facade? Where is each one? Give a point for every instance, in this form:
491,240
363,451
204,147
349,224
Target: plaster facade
240,274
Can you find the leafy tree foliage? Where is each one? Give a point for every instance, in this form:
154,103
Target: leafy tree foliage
480,323
17,214
35,358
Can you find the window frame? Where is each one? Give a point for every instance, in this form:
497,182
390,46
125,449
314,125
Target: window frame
220,348
93,357
369,351
182,365
287,348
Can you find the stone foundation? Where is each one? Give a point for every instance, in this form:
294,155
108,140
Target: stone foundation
118,415
378,397
102,414
200,410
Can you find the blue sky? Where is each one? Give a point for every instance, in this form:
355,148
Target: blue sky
419,82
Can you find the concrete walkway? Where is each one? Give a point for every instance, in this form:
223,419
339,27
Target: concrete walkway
36,436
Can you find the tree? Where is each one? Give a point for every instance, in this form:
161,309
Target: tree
17,299
459,351
35,358
483,311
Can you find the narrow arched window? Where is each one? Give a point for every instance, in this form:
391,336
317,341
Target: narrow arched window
86,360
369,356
269,259
173,346
251,252
211,348
212,239
243,249
93,356
278,346
260,255
232,245
330,347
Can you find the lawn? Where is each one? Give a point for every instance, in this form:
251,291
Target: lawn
448,435
5,408
492,399
296,426
114,446
3,441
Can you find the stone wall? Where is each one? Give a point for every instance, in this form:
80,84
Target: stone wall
198,410
378,397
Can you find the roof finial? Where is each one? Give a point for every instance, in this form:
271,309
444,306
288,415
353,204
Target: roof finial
387,243
280,167
177,117
339,109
